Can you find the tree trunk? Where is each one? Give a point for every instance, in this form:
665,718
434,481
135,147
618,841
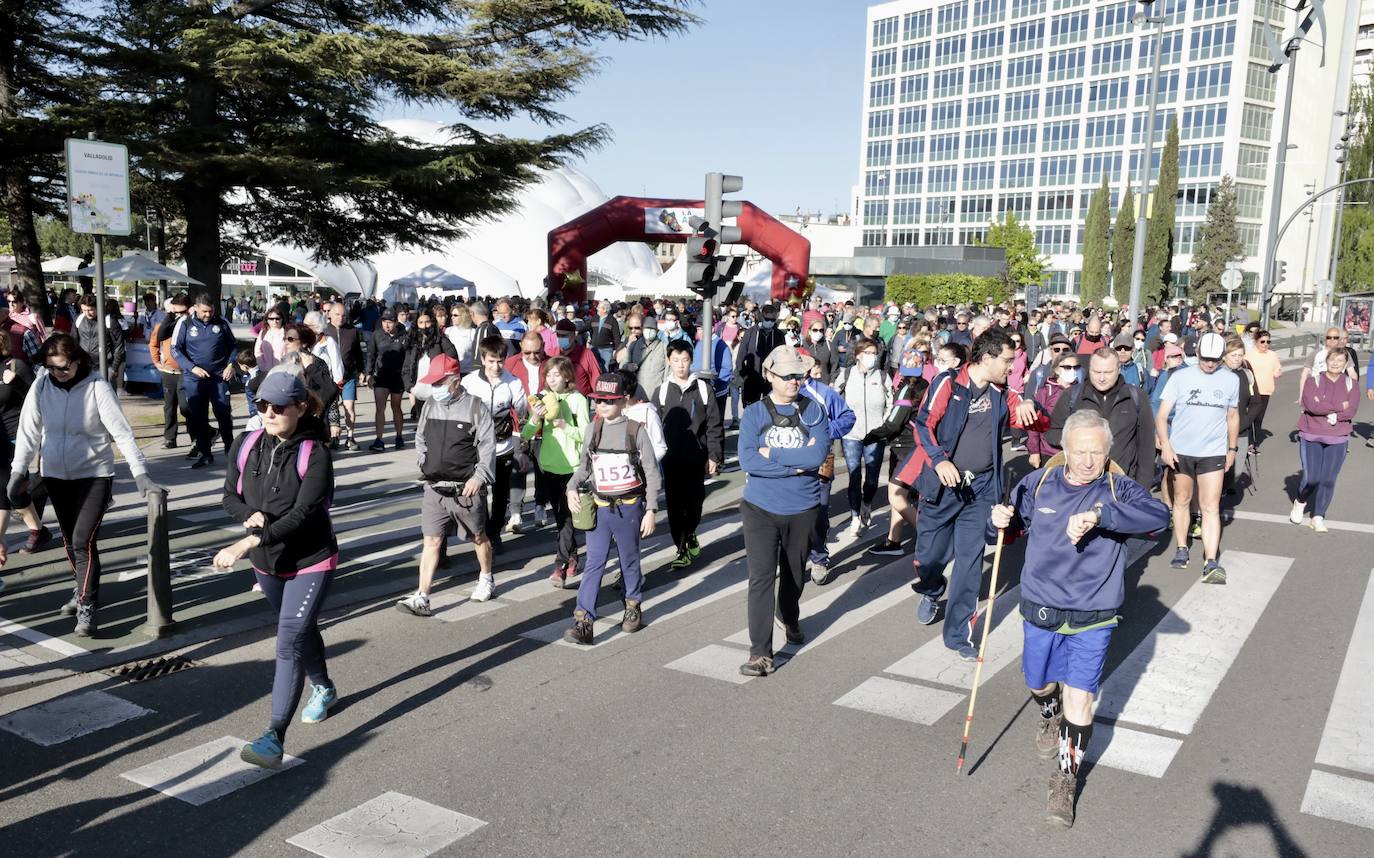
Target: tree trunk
18,196
200,197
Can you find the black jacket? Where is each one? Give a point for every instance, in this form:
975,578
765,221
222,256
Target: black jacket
350,348
386,353
428,344
1130,416
114,339
298,532
825,359
692,425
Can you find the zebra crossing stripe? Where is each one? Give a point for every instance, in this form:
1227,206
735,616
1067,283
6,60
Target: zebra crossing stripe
391,825
1347,740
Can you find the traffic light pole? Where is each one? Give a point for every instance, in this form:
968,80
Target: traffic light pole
1276,188
1147,159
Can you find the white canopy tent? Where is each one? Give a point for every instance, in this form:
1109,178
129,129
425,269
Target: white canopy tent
354,276
136,266
62,265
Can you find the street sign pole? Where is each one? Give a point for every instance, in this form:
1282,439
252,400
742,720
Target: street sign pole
1230,281
98,205
99,250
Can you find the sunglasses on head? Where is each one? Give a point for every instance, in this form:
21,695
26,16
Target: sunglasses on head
263,405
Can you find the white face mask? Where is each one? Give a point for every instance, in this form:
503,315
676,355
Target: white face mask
790,338
667,327
441,395
868,361
817,336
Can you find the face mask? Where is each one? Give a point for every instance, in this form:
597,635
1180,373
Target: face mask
746,322
868,361
668,327
790,338
441,395
766,325
817,336
910,371
565,343
1068,376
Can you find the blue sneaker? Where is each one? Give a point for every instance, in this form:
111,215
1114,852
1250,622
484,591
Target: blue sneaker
321,699
1180,560
928,610
265,751
967,652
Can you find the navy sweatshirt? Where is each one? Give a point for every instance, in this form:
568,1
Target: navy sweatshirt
1089,576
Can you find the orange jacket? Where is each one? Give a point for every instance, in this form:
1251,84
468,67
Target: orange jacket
160,344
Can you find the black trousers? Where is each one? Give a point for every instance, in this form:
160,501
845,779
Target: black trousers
684,489
556,487
1257,425
80,506
500,497
776,546
173,403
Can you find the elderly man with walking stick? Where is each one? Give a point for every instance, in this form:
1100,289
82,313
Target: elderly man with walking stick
1079,511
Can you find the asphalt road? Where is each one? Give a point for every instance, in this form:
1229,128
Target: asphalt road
1225,738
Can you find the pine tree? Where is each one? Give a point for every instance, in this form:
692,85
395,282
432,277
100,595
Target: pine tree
257,119
1158,275
1123,249
1025,265
1219,244
1093,286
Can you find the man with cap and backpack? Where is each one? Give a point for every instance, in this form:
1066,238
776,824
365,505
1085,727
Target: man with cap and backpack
622,490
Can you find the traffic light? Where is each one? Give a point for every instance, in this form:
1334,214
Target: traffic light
1280,271
701,260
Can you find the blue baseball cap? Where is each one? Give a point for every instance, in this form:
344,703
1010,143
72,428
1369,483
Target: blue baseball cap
282,388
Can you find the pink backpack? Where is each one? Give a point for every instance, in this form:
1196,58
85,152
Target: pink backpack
302,459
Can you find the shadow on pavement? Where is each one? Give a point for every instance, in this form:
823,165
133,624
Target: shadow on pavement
1240,806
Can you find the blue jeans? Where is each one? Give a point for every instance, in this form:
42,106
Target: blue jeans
820,554
955,519
619,521
863,486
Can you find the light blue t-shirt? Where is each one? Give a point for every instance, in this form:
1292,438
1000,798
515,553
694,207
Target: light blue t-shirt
1201,401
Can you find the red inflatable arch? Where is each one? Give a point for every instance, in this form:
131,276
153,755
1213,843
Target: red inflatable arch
652,220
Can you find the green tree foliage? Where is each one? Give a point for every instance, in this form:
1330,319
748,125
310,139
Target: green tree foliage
1220,242
927,290
257,120
1355,272
1158,274
1123,249
55,238
1096,250
1025,264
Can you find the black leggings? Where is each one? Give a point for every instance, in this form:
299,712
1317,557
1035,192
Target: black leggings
300,648
80,506
684,488
556,487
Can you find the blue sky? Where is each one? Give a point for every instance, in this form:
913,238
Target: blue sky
787,77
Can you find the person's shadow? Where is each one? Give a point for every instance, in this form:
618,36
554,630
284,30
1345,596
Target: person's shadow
1237,806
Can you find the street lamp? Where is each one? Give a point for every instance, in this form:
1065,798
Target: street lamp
1138,257
1335,262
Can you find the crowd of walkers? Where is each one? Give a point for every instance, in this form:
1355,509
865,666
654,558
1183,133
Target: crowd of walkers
592,415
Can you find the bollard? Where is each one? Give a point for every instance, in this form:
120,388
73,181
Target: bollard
159,623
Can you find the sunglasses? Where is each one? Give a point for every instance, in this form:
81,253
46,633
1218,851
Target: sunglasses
817,330
794,376
292,338
1263,342
263,406
274,318
66,367
1068,366
1334,338
1058,349
1123,348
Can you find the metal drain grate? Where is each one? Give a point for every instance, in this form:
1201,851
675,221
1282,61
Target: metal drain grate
138,671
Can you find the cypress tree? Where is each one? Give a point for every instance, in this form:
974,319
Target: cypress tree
1093,287
1123,248
1158,276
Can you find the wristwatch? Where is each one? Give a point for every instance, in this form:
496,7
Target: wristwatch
1097,512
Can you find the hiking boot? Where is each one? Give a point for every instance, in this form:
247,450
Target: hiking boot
757,665
85,621
1047,736
265,751
322,699
1180,560
887,548
1059,807
682,561
69,609
581,631
38,539
693,547
634,618
1212,573
416,604
793,633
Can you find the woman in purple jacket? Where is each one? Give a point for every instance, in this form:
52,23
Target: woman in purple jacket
1063,376
1329,402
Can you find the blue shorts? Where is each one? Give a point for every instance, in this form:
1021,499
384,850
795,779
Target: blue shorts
1074,660
350,389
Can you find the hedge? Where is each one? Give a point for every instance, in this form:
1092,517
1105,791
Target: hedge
927,290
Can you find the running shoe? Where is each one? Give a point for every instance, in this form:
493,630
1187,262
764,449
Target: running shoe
928,609
757,665
1319,524
193,453
400,445
416,605
38,539
1196,531
856,526
887,548
1296,515
351,444
682,561
581,631
322,699
570,569
69,609
633,620
967,652
557,577
794,634
485,589
1059,805
265,751
1212,573
378,446
541,517
513,523
1180,560
1017,448
820,572
866,516
693,547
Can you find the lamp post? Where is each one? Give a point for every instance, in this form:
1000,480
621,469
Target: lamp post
1334,269
1138,257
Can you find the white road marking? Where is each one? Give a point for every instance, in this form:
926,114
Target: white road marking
1348,738
937,663
68,717
906,701
1169,678
205,772
1274,518
714,661
1340,798
57,645
1119,747
391,825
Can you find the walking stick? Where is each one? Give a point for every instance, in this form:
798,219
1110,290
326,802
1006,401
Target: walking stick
982,646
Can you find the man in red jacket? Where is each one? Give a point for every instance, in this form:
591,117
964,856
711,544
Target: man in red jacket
528,363
585,366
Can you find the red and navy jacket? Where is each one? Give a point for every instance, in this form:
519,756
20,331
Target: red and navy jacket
941,418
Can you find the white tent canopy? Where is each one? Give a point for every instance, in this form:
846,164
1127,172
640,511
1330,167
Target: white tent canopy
355,275
62,265
136,266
